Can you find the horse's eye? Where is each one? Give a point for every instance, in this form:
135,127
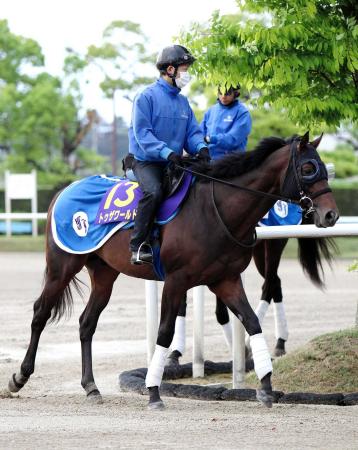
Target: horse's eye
308,169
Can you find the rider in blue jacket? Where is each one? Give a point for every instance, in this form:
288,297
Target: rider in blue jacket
163,125
227,124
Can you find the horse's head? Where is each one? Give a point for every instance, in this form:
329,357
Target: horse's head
307,180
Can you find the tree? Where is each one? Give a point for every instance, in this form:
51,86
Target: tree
17,53
39,126
121,60
302,55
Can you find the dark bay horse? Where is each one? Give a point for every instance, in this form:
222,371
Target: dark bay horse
208,243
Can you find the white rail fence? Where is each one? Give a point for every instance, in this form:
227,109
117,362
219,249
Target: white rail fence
346,226
20,186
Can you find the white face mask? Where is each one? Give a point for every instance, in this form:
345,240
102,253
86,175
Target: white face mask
183,79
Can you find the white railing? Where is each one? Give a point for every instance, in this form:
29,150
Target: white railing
34,217
346,226
23,216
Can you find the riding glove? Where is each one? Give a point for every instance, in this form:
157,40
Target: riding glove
175,159
204,154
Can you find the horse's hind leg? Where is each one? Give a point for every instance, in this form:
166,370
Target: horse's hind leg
102,279
56,296
267,257
178,343
222,316
232,293
272,289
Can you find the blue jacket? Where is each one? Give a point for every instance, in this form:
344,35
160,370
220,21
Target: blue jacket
228,128
163,122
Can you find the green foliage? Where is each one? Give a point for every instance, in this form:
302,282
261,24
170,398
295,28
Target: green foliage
344,159
38,116
16,53
302,55
269,122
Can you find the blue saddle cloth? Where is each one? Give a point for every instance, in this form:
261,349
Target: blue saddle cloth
282,213
88,212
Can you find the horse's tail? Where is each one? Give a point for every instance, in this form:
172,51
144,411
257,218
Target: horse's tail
63,305
312,252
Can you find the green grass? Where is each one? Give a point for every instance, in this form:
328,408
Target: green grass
22,244
348,247
327,364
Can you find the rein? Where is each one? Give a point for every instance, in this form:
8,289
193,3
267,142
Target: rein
225,228
305,201
243,188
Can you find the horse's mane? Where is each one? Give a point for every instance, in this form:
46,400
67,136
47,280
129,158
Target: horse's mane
236,164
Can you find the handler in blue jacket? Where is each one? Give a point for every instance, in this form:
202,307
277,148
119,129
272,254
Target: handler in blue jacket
163,124
227,124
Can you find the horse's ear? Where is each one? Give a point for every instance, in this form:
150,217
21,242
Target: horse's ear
304,140
317,141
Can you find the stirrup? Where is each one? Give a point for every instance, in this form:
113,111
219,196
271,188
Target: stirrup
137,259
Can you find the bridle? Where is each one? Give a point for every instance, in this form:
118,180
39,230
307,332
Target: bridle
304,181
297,189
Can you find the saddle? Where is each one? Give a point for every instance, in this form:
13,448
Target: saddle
173,177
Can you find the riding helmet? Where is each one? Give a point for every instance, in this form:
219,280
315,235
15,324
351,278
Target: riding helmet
174,55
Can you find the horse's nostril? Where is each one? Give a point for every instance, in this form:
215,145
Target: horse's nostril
331,217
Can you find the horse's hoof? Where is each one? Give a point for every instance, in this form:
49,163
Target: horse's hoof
172,362
279,352
265,398
173,359
156,406
13,385
95,398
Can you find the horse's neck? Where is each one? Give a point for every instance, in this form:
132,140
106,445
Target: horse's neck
242,209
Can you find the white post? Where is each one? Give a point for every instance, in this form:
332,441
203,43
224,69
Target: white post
7,202
198,332
151,301
34,204
238,354
238,350
21,186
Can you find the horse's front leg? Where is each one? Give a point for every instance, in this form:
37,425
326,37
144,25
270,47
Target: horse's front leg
231,292
172,297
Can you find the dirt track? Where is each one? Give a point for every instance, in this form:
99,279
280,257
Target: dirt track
52,411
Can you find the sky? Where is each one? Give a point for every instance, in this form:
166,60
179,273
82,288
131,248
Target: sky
57,24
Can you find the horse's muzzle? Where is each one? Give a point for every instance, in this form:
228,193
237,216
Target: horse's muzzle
327,219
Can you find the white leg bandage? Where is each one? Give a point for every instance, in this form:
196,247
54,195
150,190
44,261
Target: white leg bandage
260,311
179,335
156,367
260,355
281,330
227,329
